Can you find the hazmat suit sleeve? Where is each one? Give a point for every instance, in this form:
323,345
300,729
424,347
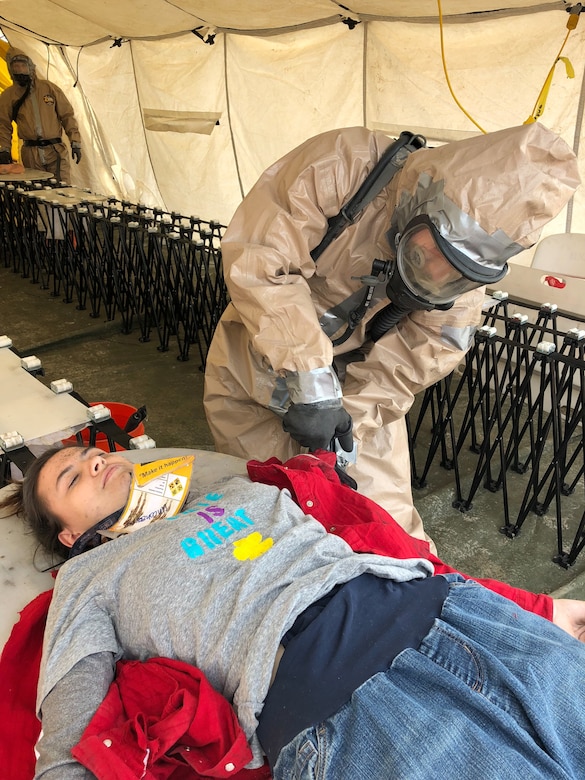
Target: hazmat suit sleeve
266,249
64,111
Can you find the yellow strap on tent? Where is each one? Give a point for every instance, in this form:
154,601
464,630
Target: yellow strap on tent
538,109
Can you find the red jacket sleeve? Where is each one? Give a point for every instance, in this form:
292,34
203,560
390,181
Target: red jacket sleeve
363,524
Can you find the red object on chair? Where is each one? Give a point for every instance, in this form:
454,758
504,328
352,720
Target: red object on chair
554,281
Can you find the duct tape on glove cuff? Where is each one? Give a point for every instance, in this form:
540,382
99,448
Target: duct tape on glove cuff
316,386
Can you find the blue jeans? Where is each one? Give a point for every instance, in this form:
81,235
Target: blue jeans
492,693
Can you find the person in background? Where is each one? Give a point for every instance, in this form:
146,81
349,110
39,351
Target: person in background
326,346
41,112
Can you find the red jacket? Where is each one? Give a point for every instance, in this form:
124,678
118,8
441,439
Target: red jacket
162,719
365,526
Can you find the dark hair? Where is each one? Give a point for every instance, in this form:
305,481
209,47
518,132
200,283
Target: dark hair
24,501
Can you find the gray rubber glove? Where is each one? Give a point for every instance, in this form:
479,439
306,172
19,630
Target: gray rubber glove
316,425
76,153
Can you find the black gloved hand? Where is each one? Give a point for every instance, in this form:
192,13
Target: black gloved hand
76,153
315,426
5,158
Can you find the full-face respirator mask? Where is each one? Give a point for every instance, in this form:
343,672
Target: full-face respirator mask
21,69
428,273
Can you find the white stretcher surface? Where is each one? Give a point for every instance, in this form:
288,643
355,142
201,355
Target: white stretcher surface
31,408
29,174
51,205
67,196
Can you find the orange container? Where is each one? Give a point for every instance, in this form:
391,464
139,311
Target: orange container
120,414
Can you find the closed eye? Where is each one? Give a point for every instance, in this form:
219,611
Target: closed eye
71,465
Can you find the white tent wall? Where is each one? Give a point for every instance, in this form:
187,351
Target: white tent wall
283,89
195,171
271,91
117,146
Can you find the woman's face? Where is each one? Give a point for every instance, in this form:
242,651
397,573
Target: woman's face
81,486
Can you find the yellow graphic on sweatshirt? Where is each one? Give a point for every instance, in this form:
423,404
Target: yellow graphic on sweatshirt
252,546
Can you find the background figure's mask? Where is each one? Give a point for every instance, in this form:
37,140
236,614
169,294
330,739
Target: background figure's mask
20,67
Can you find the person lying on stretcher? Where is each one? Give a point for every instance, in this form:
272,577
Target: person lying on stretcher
362,664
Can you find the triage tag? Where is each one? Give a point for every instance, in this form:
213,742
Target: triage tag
158,491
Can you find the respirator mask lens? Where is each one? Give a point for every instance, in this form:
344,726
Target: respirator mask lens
20,71
425,270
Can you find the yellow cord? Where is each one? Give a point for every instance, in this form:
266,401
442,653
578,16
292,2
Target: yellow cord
479,127
538,109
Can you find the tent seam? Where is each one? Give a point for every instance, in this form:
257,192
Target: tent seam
229,115
138,98
476,16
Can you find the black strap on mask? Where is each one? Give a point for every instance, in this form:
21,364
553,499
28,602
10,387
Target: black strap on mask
380,176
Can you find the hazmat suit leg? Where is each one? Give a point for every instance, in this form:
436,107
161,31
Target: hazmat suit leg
383,472
48,158
238,390
379,391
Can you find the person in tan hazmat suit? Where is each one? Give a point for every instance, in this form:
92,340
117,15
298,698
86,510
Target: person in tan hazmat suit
41,112
311,352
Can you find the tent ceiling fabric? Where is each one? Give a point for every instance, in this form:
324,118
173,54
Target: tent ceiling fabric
173,123
75,23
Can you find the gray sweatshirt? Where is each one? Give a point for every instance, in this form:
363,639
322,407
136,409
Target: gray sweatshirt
217,587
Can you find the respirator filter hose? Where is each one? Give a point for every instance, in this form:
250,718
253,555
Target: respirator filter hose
386,319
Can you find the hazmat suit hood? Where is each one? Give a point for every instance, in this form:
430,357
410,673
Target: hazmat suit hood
487,197
14,54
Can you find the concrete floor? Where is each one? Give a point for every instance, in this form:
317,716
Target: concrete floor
105,364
